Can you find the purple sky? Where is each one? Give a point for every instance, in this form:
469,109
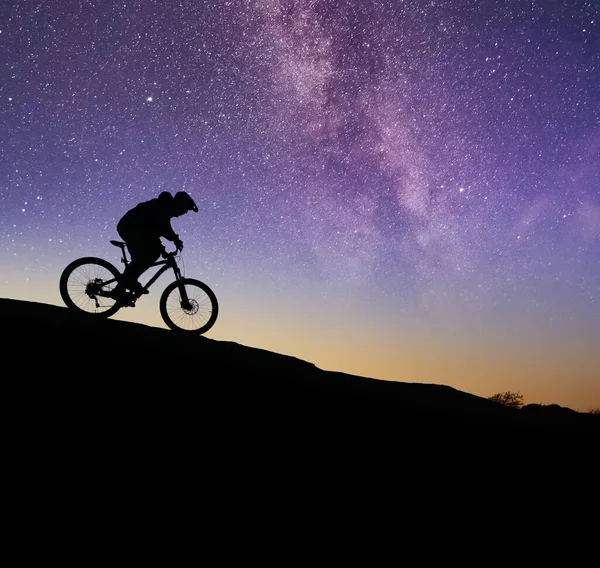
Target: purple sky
366,172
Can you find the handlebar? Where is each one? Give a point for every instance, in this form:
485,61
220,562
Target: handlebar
166,254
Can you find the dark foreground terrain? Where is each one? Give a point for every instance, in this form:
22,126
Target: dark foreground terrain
114,428
65,366
122,434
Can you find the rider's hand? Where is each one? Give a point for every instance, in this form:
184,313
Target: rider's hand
177,242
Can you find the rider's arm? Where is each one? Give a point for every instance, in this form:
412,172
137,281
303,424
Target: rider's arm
163,224
167,231
172,236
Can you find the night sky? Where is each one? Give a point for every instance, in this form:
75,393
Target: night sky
407,190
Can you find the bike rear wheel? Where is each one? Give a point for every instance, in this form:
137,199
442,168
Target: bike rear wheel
194,311
84,280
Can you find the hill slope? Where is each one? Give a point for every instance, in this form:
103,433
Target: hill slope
65,363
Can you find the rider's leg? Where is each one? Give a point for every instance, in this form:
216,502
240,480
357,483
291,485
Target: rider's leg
143,254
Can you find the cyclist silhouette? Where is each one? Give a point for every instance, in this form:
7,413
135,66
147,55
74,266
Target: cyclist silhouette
142,227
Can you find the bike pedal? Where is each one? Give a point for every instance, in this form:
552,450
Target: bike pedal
128,301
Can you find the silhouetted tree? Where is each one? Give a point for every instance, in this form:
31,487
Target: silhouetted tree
508,398
594,410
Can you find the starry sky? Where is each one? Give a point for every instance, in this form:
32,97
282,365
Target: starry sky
401,189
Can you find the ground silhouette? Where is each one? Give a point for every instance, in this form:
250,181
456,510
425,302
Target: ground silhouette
116,430
72,367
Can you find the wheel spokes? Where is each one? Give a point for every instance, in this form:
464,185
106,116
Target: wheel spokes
83,285
192,314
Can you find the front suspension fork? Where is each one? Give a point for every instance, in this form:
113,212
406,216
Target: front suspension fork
185,301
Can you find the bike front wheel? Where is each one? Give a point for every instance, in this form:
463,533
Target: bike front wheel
189,305
84,283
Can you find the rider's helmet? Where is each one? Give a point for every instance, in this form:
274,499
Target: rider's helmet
184,203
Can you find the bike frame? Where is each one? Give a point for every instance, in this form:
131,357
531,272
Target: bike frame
94,285
165,264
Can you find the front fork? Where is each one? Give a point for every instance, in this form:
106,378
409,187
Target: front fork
185,301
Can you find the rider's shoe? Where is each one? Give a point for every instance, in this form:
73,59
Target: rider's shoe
127,300
138,289
122,297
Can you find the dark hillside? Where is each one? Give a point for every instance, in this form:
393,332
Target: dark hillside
66,365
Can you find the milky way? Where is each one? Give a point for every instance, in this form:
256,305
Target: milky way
441,155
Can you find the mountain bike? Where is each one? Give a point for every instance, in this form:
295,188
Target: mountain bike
186,304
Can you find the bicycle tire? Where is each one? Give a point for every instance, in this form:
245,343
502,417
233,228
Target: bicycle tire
202,314
75,282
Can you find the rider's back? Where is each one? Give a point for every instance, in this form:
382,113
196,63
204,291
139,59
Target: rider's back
150,218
